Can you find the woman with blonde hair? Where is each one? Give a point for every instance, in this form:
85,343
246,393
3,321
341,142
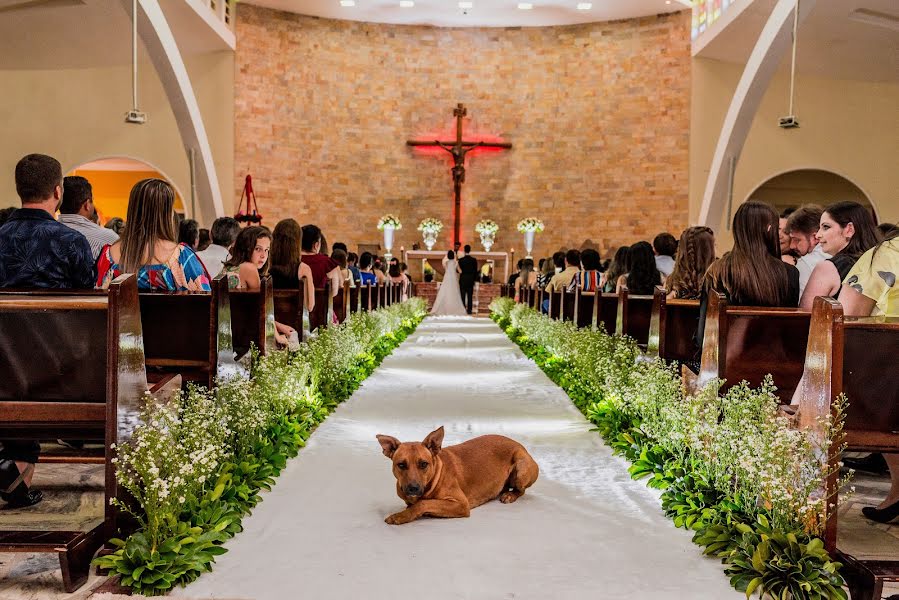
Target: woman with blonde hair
695,252
148,246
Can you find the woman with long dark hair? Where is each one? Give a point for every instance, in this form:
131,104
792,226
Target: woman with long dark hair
620,265
286,266
695,252
642,276
846,232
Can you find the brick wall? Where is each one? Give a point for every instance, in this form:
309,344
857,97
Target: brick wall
598,116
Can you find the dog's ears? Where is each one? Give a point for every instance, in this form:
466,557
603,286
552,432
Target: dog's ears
434,441
389,444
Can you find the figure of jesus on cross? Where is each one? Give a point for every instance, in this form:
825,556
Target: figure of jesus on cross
459,148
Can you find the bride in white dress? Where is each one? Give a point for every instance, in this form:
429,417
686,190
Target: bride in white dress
449,297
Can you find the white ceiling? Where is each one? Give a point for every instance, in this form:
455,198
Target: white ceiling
483,13
830,43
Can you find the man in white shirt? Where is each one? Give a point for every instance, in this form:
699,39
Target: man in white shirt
665,247
76,210
802,227
223,233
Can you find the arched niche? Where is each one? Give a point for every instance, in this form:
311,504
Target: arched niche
794,188
112,178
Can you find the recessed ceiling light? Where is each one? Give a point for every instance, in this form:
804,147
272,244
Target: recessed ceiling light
348,3
466,4
667,1
407,3
525,5
584,6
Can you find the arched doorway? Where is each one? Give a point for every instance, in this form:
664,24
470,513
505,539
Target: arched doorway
112,180
809,186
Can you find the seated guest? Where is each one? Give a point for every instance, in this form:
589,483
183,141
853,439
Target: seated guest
339,246
527,277
205,240
547,270
189,233
396,276
287,267
846,232
37,251
751,274
642,276
872,288
802,227
76,210
665,247
6,213
322,266
148,247
695,252
116,224
224,232
340,257
588,279
786,254
378,269
561,281
248,264
352,263
620,265
518,266
486,273
366,274
886,230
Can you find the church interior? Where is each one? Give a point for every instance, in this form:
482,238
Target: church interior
498,175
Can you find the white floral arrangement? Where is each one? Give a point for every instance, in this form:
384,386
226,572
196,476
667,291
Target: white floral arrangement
389,221
530,224
486,226
430,225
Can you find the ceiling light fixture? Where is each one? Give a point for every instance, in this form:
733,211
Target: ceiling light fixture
347,3
407,3
466,5
525,5
584,6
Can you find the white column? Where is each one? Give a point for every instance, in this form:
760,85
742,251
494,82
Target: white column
163,50
774,41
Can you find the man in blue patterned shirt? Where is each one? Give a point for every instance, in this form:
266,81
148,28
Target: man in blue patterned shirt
37,251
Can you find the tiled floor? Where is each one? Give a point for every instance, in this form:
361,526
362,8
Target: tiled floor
73,497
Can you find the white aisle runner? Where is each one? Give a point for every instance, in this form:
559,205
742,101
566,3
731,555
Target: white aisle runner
583,531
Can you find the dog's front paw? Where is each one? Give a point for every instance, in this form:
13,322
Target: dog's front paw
397,519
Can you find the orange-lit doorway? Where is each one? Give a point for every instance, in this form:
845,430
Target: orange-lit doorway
112,180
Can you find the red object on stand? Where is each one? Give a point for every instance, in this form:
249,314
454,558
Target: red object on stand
251,215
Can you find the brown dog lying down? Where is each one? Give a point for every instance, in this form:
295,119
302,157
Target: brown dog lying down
449,482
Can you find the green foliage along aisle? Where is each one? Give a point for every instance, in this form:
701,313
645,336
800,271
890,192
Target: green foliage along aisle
731,469
196,465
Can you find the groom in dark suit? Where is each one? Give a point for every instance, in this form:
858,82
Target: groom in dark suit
468,266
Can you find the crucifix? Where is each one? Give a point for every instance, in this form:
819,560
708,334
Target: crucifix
458,148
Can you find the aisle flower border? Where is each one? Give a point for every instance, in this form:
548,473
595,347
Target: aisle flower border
196,465
759,513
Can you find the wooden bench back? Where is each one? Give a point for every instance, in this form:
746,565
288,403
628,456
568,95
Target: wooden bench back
341,302
289,305
189,333
253,319
366,297
855,356
605,311
319,316
555,304
749,342
355,299
566,305
583,308
672,328
634,314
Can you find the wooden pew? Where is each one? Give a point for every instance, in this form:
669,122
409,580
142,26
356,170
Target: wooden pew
320,315
253,319
71,366
341,302
189,333
605,311
672,328
289,306
749,342
634,313
583,309
555,304
566,305
855,356
366,297
355,299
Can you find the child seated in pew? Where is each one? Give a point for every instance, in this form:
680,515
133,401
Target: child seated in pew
695,252
149,248
871,288
249,260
